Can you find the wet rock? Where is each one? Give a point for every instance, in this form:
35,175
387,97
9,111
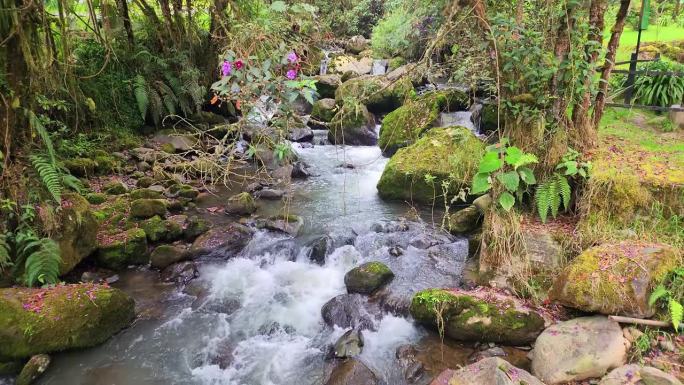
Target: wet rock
477,316
240,204
300,134
350,66
184,191
221,242
350,344
96,198
411,367
326,85
194,227
147,208
378,93
353,126
60,318
465,220
275,327
33,369
299,171
351,372
395,251
320,248
389,227
116,251
166,255
615,278
639,375
269,194
367,278
487,353
485,372
147,155
115,188
145,193
177,143
349,311
77,235
357,44
290,224
180,273
324,111
158,229
578,349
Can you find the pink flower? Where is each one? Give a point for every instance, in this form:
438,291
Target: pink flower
292,57
226,68
238,64
291,74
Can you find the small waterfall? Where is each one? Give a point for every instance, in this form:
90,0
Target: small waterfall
379,67
458,118
324,62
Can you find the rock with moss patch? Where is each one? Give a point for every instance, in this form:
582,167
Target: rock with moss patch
353,125
184,191
105,163
147,208
577,350
416,173
241,204
324,110
478,315
81,167
158,229
166,255
403,126
96,198
221,242
194,227
33,369
635,374
36,321
144,182
290,224
465,220
615,278
367,278
77,235
488,371
118,250
357,44
145,193
376,92
115,187
326,85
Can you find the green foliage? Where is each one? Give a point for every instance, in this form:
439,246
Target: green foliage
556,189
5,257
669,296
504,168
49,176
660,90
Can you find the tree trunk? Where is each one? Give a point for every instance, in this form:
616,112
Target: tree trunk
122,6
561,51
600,102
166,13
584,135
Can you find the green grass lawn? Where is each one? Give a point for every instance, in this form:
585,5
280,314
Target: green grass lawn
654,33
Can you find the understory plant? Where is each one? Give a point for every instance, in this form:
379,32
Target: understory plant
660,90
669,296
556,189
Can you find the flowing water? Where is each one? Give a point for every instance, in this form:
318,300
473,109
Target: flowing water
256,318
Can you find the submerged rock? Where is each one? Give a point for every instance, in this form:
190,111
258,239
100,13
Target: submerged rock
639,375
367,278
320,248
353,125
445,154
350,344
615,278
180,273
77,235
477,316
33,369
411,367
35,321
350,311
578,349
489,371
351,372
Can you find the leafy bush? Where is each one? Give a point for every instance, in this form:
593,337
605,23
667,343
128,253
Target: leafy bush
670,296
660,90
556,189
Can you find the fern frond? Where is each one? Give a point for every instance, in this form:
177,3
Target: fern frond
565,190
659,292
5,253
554,197
72,182
141,96
156,106
676,312
42,265
543,200
49,176
37,125
168,97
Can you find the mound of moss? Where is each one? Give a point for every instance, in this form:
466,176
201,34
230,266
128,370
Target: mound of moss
34,321
477,316
367,278
376,92
118,250
353,125
416,173
403,126
77,235
615,278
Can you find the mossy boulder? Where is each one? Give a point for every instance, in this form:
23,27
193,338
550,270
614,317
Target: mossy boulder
443,154
184,191
353,125
241,204
145,182
376,92
367,278
326,85
145,193
403,126
324,110
33,369
194,227
615,278
96,198
35,321
147,208
81,167
115,187
158,229
166,255
105,163
77,235
118,250
482,316
465,220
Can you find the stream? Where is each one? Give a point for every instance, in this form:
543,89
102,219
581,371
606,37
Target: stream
256,318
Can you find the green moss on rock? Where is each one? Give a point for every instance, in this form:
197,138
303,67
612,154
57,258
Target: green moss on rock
447,154
81,167
324,110
147,208
118,250
115,187
144,193
96,198
353,125
367,278
34,321
471,316
77,235
158,229
376,92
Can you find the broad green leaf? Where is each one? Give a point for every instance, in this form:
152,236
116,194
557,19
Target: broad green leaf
490,163
510,180
279,6
658,293
506,200
481,183
513,155
527,176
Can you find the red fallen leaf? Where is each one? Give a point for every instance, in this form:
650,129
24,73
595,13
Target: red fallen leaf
214,99
238,105
214,209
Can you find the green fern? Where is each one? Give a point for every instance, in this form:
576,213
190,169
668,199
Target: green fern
49,175
676,312
551,195
5,253
37,125
42,264
141,96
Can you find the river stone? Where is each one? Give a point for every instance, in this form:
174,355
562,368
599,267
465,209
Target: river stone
115,187
178,143
357,44
116,251
80,167
350,311
350,344
77,235
36,321
320,248
326,85
240,204
180,273
378,93
269,194
194,227
639,375
478,315
33,369
446,154
411,367
166,255
147,208
221,241
489,371
367,278
578,349
290,224
324,111
615,278
300,134
344,64
353,125
352,372
158,229
464,220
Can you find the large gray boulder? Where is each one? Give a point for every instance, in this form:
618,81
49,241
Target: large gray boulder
639,375
489,371
351,372
578,349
